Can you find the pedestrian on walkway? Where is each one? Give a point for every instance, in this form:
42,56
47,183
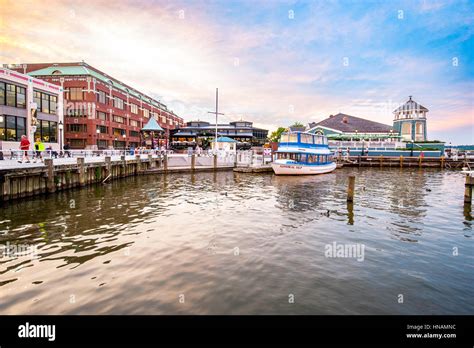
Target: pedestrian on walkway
24,146
39,148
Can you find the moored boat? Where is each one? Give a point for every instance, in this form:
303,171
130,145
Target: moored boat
301,153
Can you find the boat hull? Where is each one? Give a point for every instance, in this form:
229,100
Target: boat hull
301,169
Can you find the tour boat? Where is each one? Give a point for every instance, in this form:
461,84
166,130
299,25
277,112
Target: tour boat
301,153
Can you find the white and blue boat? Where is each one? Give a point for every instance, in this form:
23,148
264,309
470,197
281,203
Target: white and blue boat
301,153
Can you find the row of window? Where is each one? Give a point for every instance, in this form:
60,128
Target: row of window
76,93
103,98
12,95
118,132
45,102
12,127
47,131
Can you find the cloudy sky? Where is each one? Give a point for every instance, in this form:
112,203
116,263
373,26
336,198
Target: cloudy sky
275,62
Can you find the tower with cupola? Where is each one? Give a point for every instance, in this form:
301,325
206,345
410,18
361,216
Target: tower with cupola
410,121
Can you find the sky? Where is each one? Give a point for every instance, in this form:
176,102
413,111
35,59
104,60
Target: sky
274,62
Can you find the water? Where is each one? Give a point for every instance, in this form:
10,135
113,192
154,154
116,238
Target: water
225,243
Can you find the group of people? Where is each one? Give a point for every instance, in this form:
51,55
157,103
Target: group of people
39,149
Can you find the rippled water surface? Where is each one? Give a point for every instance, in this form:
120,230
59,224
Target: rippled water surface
229,243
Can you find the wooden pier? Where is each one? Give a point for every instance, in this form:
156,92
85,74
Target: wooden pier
23,182
406,162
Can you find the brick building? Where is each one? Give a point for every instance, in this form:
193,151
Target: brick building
100,111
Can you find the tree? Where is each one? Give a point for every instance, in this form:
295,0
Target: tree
276,135
297,124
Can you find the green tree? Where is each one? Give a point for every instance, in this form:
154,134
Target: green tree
276,135
297,124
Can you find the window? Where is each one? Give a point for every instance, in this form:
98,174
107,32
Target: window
306,138
118,119
46,131
102,97
118,103
103,129
11,95
102,144
134,134
133,123
2,93
20,97
101,115
76,143
134,109
146,113
12,127
76,112
53,102
76,128
118,132
37,99
75,93
45,103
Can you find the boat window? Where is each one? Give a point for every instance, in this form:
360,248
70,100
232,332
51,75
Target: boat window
306,138
293,138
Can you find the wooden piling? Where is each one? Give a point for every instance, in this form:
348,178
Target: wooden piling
442,161
81,171
193,162
165,162
108,165
350,188
215,161
48,162
401,161
138,164
468,189
151,161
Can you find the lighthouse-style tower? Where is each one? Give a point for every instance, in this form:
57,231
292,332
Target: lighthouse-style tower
410,121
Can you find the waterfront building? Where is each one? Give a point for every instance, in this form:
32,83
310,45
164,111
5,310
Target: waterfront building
410,121
409,125
201,133
347,127
100,111
31,107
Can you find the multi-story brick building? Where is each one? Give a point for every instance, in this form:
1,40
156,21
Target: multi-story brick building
100,111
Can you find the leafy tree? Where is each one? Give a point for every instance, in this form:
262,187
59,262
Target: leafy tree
276,135
297,124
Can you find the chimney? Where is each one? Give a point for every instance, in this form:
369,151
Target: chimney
330,116
344,119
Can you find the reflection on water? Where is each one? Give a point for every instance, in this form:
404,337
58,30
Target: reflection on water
232,243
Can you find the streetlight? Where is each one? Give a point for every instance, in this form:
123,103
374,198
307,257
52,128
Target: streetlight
60,127
97,132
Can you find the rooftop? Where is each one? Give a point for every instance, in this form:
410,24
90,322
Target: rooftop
409,106
84,69
350,124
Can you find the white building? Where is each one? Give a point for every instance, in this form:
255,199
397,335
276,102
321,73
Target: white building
31,107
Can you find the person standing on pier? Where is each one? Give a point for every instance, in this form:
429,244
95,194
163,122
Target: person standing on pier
24,146
39,148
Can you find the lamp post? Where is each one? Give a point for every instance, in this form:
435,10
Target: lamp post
411,152
98,133
60,127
